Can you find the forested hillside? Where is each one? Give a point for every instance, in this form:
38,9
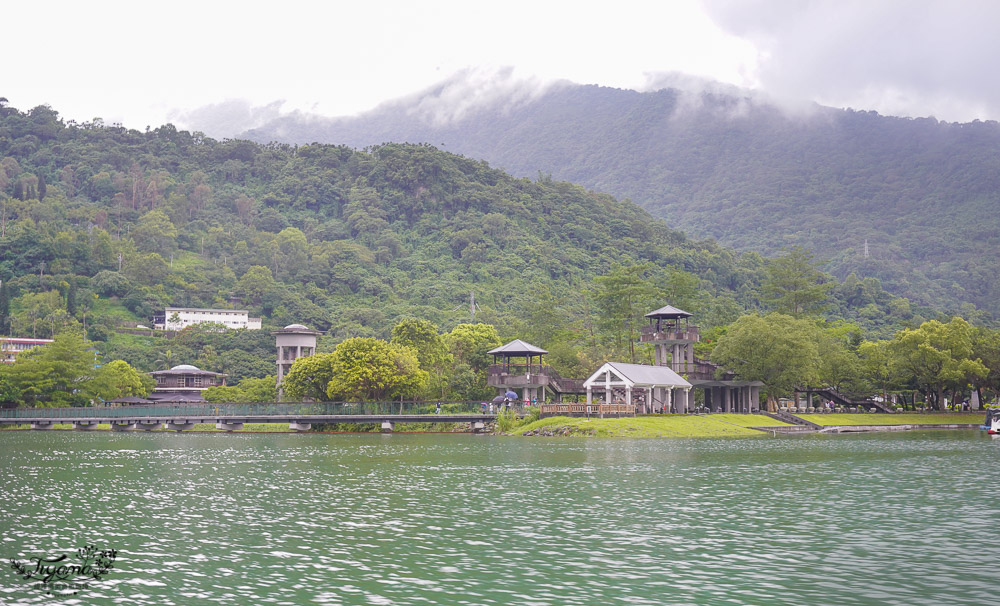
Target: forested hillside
922,193
102,226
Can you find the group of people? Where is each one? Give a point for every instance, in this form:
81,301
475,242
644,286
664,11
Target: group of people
505,402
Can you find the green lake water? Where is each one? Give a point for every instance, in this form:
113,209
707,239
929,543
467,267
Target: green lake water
900,518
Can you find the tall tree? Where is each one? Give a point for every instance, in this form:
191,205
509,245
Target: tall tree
423,337
55,374
371,369
309,377
622,296
777,349
938,357
4,307
794,286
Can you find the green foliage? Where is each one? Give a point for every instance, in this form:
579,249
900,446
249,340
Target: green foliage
938,356
794,286
117,379
371,369
469,344
749,175
423,337
351,243
54,375
622,296
248,390
508,421
309,378
777,349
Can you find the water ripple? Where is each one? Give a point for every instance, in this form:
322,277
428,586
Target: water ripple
411,519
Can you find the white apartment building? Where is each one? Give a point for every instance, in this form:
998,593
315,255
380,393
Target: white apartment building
179,318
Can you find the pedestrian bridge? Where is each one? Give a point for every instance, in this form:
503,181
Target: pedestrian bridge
300,416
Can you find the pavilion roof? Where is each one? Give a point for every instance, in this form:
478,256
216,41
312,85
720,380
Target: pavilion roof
638,375
517,348
668,311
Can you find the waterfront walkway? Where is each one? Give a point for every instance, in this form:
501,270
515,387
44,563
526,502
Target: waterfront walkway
299,415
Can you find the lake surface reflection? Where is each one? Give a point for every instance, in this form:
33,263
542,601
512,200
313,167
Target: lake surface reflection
898,518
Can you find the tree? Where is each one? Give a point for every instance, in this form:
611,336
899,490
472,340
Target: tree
155,233
4,308
938,357
308,378
255,283
794,286
880,367
777,349
986,348
55,374
423,337
118,379
622,296
371,369
469,343
250,389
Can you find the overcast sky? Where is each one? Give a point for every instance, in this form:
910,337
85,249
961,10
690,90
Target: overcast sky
145,64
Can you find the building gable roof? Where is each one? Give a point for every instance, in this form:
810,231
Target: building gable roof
638,375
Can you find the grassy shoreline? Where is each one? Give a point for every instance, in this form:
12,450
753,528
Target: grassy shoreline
648,426
720,425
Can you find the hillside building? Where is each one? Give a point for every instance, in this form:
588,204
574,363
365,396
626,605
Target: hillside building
11,347
179,318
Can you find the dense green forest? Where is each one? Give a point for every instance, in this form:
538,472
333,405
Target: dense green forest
923,194
100,227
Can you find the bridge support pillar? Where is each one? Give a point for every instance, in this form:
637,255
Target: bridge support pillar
121,425
388,426
84,425
297,426
42,425
179,425
477,426
228,426
147,425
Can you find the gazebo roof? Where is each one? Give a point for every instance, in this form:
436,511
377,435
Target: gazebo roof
638,375
517,348
187,369
668,311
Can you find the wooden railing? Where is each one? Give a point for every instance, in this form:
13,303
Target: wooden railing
582,408
668,333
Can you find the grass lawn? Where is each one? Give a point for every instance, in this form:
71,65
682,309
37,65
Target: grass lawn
896,419
659,426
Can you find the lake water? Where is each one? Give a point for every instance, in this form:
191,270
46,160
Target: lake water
901,518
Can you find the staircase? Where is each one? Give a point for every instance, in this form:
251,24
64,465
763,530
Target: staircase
843,400
789,418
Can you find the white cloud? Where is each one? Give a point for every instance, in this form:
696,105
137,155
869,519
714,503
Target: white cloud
899,57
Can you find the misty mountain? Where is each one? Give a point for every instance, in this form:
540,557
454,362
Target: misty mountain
923,194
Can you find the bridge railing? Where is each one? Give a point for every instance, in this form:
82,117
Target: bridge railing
254,409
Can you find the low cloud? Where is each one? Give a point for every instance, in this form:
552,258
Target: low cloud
933,57
228,118
472,90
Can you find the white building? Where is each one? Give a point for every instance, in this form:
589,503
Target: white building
179,318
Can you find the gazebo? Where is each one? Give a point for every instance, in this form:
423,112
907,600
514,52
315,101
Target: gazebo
657,382
505,355
519,365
